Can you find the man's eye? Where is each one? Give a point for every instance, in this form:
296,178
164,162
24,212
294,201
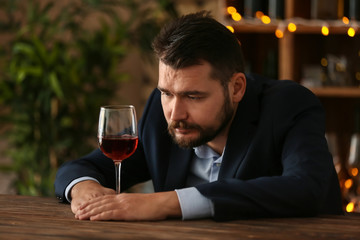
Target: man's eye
166,94
194,97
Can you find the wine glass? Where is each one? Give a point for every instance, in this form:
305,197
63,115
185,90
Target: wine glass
117,134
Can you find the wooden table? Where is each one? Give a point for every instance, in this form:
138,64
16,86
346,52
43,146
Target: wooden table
24,217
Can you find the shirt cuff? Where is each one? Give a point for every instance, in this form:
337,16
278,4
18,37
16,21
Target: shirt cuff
193,204
77,180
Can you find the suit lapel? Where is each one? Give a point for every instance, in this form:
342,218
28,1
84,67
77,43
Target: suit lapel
179,164
241,132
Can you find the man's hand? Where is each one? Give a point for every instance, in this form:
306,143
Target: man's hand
84,191
131,207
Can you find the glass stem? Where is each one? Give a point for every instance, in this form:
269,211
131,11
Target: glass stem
117,176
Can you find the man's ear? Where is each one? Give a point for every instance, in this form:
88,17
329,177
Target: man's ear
237,86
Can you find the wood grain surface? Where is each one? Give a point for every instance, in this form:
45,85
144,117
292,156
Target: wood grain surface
25,217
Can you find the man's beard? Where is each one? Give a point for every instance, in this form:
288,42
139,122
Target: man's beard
205,134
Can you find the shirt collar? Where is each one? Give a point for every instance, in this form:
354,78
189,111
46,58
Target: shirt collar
204,151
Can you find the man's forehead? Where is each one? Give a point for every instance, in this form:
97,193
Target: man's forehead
192,80
199,66
202,70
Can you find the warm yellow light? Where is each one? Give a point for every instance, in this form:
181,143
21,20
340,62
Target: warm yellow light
351,32
350,207
236,16
354,172
357,76
231,10
292,27
348,183
231,29
345,20
279,33
265,19
259,14
324,62
325,30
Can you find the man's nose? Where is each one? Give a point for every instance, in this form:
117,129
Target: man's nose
178,111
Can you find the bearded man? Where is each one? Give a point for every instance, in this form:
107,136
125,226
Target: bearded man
215,142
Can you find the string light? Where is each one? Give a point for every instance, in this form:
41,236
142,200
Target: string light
259,14
351,32
279,33
348,183
324,62
266,19
231,29
357,76
350,207
325,30
292,27
236,16
231,10
354,172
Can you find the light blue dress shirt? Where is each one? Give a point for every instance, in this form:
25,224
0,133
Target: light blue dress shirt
204,168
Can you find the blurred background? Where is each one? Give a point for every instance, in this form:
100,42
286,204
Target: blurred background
61,60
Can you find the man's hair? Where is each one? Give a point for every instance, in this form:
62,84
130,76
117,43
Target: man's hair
198,37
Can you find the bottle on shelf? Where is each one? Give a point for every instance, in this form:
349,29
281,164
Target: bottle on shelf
251,7
354,9
324,9
276,9
353,190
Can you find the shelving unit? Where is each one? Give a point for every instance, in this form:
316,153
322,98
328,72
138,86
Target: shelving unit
303,26
306,46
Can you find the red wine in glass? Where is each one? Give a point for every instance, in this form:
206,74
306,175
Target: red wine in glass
118,147
117,135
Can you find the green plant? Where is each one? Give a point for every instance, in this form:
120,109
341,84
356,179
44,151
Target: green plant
58,71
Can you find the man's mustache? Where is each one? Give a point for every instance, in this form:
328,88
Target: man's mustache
182,124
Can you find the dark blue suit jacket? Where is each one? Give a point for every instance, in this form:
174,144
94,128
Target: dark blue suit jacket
276,162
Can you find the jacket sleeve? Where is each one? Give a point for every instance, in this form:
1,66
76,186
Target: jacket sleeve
133,170
305,184
100,167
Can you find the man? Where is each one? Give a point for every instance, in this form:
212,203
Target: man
215,143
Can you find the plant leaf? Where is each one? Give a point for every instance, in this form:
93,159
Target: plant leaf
55,86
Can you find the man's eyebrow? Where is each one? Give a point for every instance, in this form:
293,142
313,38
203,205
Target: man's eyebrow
193,93
162,89
184,93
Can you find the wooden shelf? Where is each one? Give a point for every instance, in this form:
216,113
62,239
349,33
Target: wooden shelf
307,29
304,26
252,26
337,92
